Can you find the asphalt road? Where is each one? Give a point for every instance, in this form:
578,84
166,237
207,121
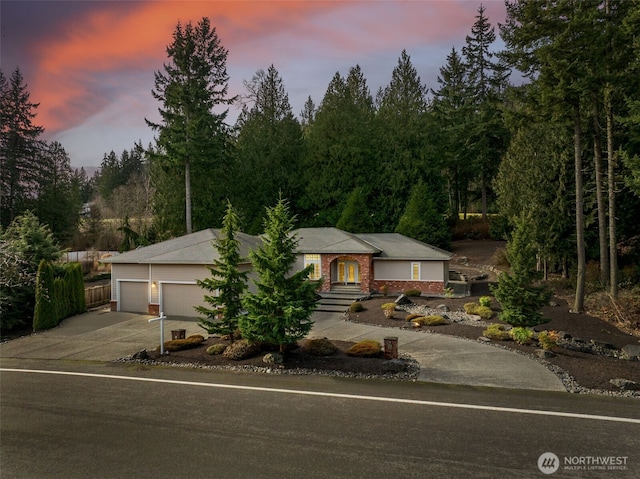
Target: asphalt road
90,420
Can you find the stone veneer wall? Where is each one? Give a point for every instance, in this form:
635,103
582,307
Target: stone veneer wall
364,263
397,286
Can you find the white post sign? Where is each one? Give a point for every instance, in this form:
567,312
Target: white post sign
161,319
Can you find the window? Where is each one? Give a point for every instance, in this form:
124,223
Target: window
415,271
313,259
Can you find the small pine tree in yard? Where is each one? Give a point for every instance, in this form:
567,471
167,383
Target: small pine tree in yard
280,311
45,314
226,279
520,299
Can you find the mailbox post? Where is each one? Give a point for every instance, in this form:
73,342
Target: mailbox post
161,318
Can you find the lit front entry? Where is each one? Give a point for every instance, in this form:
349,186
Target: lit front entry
348,272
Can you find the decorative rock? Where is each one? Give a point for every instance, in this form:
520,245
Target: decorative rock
216,348
544,354
632,351
443,307
625,384
602,344
393,366
483,339
474,317
553,304
241,350
273,358
415,325
142,354
403,300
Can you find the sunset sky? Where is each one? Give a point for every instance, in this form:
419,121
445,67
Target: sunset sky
90,64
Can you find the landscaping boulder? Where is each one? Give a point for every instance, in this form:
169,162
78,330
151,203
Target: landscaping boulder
140,355
273,358
631,351
402,300
242,349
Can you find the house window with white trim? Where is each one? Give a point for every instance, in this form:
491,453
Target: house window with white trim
313,259
415,271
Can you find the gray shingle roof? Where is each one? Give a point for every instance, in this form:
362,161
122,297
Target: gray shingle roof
194,248
400,247
332,240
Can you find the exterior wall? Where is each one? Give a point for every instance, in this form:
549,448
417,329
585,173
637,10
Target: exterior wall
396,276
401,270
126,271
364,264
396,287
175,273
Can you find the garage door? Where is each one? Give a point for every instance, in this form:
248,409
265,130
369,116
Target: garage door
134,297
179,299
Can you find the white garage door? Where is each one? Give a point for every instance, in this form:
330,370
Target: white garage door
179,299
134,297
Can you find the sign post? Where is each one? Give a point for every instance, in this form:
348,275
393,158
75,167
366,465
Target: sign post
161,319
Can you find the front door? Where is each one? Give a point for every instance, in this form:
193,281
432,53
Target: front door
348,272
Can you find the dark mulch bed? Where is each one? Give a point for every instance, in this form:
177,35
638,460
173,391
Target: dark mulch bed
588,370
295,358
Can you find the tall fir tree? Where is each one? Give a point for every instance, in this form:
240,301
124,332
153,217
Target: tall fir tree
280,311
227,283
19,146
192,136
269,141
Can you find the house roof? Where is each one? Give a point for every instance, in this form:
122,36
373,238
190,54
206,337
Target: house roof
391,246
394,246
194,248
332,240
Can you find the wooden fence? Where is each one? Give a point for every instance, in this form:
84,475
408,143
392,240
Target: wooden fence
97,295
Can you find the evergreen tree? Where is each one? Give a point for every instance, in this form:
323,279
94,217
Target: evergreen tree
356,216
269,142
192,137
19,146
226,280
45,314
58,200
422,220
486,135
280,311
520,299
452,106
15,276
405,152
339,149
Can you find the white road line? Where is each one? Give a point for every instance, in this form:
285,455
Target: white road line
334,395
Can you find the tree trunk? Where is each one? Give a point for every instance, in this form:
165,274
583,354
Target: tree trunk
578,304
187,195
602,214
613,251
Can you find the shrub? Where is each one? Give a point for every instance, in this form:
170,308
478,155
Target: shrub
496,331
412,316
45,315
217,348
485,301
471,308
521,335
242,349
433,320
180,344
385,290
356,307
412,292
548,339
484,312
389,309
367,348
319,347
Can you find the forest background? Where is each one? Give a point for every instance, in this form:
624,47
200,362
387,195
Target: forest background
554,153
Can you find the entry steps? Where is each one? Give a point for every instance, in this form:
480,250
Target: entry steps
339,299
